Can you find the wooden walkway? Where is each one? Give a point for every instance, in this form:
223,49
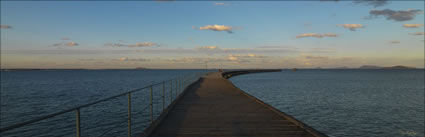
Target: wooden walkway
214,107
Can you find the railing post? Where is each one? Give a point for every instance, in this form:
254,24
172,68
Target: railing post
171,91
77,122
176,89
184,82
178,86
150,103
163,96
129,114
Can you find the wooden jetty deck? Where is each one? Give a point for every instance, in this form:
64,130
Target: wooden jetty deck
214,107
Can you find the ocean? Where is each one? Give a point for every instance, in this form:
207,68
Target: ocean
345,103
339,103
30,94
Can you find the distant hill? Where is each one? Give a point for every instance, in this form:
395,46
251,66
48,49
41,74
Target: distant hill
342,68
33,69
399,67
370,67
141,68
378,67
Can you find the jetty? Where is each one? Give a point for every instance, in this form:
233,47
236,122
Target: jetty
203,104
214,107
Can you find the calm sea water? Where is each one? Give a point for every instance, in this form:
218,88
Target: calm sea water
346,103
30,94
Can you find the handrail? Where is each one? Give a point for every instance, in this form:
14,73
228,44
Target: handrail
77,108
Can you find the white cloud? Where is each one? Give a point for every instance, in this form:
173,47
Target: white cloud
217,28
352,27
304,35
412,25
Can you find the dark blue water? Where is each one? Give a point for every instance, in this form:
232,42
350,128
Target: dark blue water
346,103
30,94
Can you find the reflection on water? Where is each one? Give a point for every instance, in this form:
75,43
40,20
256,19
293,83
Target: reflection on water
375,103
30,94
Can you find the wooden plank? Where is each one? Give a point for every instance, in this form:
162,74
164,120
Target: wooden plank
215,108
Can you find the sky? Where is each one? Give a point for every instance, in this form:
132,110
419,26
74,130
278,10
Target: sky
211,34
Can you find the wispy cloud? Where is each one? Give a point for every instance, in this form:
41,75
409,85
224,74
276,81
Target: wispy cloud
322,50
197,60
304,35
65,38
247,56
412,25
309,60
394,42
221,4
235,58
275,47
208,48
139,44
133,59
259,50
328,0
307,25
69,52
417,33
374,3
5,26
68,44
65,43
216,50
401,15
228,29
244,58
351,27
158,51
316,57
164,0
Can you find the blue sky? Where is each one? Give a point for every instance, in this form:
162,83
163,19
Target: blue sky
102,34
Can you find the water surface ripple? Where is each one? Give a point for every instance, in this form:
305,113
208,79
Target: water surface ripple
346,103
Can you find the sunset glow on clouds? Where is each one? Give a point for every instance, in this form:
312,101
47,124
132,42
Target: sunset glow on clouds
217,28
352,27
363,33
412,25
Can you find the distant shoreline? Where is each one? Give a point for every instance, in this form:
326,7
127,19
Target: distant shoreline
384,68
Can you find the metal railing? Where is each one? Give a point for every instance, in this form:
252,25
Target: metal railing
177,86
